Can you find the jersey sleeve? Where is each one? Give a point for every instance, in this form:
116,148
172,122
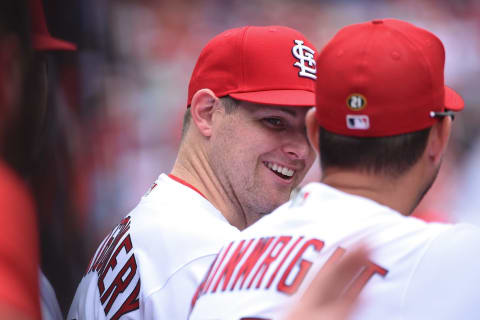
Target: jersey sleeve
19,253
447,277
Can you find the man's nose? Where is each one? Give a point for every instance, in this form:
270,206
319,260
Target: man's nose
297,146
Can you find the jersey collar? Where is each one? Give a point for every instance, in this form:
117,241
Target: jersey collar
185,183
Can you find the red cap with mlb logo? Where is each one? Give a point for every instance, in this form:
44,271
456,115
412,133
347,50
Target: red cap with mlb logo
272,65
382,78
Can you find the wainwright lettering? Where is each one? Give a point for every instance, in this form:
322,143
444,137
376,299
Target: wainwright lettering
273,263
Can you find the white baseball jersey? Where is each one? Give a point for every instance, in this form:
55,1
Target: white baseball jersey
147,267
416,270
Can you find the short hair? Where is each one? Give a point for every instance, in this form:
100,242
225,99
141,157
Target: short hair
230,104
391,156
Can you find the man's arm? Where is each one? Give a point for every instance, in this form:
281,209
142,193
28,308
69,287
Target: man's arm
324,298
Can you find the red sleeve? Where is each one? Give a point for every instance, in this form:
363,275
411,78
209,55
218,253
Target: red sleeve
19,256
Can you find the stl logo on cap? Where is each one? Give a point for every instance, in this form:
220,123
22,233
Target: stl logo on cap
305,55
356,102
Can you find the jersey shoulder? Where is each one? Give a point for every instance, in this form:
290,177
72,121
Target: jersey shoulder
183,225
444,282
318,208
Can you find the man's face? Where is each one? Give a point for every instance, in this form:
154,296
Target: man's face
260,154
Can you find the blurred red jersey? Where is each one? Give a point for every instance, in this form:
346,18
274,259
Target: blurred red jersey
19,253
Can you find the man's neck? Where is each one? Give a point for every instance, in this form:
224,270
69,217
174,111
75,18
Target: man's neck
195,170
400,194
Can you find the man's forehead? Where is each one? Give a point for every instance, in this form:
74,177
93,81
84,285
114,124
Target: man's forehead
260,108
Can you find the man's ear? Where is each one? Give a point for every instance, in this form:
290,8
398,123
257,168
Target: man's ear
312,128
438,139
202,109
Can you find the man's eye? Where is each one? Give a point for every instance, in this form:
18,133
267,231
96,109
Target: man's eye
274,122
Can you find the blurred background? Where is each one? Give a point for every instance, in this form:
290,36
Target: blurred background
120,98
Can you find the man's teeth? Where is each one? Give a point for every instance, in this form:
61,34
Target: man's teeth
283,170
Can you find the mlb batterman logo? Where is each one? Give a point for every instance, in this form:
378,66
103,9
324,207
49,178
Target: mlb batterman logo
305,55
356,102
358,122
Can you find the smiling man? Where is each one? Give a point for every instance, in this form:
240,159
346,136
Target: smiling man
258,154
243,150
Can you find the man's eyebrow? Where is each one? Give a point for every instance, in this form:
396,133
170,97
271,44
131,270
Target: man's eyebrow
290,111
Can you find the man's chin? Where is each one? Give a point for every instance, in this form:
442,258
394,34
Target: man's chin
274,206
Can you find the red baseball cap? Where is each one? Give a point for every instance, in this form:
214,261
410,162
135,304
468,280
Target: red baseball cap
42,40
272,65
382,78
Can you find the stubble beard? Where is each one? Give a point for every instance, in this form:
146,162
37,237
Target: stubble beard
261,202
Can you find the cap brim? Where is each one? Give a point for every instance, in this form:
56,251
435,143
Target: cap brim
48,43
453,101
298,98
